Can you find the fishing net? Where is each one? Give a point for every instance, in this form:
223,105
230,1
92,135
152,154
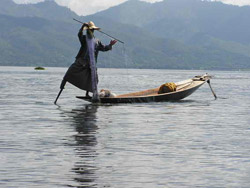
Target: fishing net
91,49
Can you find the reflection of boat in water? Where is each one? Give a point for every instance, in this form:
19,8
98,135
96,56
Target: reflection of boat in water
183,89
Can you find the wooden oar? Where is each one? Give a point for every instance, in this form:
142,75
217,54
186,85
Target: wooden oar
208,81
61,87
58,95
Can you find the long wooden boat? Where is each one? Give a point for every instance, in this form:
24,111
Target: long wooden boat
183,90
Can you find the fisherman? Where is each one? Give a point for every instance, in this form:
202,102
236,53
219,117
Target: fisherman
79,73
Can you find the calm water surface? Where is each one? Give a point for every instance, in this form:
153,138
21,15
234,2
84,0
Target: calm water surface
198,142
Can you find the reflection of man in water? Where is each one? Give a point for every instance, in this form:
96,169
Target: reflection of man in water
79,73
84,121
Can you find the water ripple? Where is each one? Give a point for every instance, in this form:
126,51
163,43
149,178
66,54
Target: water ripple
197,142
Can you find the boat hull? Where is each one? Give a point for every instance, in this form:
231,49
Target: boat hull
173,96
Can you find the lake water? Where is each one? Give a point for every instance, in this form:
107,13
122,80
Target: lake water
197,142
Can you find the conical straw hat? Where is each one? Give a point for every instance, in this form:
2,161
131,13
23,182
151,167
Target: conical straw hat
92,26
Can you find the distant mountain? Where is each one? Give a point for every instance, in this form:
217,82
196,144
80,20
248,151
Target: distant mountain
176,34
149,51
183,19
32,41
47,9
202,24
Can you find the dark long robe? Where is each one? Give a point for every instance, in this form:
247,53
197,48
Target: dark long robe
79,73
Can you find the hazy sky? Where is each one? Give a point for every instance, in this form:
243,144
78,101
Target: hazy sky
85,7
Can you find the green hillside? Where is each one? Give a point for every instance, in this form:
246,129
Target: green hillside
169,34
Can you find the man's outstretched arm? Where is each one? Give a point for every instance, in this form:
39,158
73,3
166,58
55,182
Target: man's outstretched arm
101,47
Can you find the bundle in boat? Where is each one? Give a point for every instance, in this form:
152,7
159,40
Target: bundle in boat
167,87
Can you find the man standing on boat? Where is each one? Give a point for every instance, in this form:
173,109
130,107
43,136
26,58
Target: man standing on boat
82,73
